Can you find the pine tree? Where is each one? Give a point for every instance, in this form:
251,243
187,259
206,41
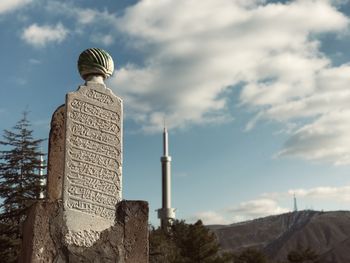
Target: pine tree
19,184
200,244
162,248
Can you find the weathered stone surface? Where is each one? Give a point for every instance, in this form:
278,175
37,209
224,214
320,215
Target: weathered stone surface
55,165
93,162
135,216
124,242
38,246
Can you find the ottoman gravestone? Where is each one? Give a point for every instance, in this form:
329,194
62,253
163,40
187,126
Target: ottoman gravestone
84,218
93,134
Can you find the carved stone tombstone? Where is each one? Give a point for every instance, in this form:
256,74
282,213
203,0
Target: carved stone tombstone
84,218
93,152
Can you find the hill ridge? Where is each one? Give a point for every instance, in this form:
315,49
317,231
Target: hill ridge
327,233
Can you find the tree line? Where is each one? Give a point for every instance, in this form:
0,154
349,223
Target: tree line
195,243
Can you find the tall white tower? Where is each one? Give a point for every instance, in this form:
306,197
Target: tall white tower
166,214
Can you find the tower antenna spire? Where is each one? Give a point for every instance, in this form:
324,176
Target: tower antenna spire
165,142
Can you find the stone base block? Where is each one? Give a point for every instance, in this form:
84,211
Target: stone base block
125,242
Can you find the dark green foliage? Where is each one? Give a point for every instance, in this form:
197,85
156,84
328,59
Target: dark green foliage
193,243
19,184
303,256
250,256
185,243
162,247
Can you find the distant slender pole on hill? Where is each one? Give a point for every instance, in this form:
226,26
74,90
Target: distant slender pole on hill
43,179
295,203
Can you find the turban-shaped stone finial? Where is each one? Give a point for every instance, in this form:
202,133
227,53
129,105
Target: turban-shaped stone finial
95,62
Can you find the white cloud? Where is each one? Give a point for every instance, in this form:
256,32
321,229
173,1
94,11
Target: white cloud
326,139
324,193
194,53
11,5
257,208
320,193
198,51
40,36
209,218
94,21
102,39
244,211
83,16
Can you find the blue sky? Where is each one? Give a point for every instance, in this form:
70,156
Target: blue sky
256,95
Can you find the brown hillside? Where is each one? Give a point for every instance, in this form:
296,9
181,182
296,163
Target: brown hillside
327,233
